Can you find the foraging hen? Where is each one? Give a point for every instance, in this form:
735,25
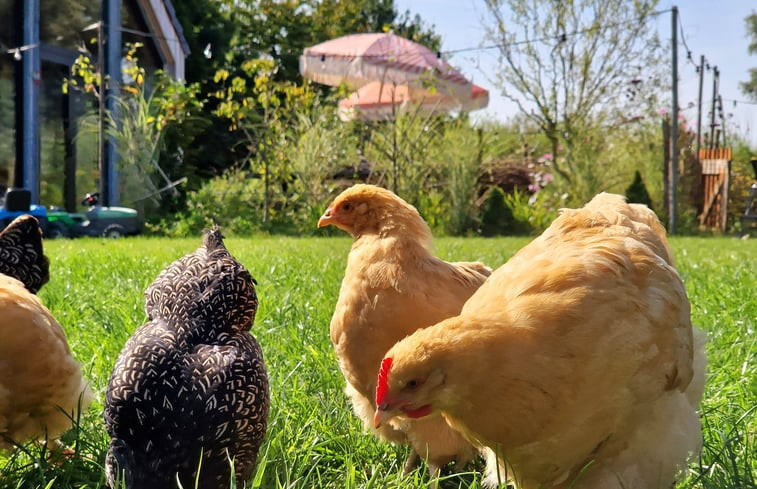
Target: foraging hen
392,286
21,254
576,362
41,384
191,383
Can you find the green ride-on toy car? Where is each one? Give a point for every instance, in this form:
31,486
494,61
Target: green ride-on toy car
109,222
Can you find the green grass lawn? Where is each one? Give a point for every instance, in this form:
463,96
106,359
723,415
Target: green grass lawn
313,441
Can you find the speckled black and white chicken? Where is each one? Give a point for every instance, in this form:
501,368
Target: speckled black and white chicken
21,254
41,384
191,383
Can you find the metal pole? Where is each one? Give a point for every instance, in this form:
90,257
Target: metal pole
18,83
112,64
722,118
69,130
27,153
673,207
715,77
665,162
700,69
104,173
698,197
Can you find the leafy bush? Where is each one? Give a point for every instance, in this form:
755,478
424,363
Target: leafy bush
232,200
534,214
742,178
496,216
405,149
319,146
597,159
637,191
460,156
308,154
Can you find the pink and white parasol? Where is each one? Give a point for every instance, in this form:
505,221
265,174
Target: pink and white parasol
359,59
377,101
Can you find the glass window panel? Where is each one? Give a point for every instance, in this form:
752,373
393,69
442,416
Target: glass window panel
61,21
7,123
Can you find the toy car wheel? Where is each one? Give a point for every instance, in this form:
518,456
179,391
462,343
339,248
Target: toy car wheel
55,231
114,231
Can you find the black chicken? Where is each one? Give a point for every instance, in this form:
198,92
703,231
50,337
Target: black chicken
189,390
21,255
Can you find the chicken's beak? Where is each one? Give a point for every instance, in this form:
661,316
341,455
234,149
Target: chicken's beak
383,414
326,219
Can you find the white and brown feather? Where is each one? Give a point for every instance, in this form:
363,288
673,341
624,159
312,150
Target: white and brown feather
191,382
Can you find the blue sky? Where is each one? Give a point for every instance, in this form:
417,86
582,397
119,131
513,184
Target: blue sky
713,28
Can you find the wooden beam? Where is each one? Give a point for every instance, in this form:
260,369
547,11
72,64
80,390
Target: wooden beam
713,196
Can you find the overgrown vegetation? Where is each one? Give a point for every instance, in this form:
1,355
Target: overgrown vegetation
264,151
444,166
144,111
313,440
295,154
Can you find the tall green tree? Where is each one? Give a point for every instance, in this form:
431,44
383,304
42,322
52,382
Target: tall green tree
334,18
574,68
225,34
750,87
208,29
260,111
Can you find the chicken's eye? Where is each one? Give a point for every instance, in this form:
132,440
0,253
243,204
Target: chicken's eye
346,206
413,384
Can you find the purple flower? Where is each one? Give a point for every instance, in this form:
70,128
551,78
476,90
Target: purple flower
533,187
548,177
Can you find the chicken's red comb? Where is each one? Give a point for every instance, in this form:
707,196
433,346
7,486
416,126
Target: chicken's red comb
383,375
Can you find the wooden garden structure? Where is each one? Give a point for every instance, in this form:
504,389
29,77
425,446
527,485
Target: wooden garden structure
716,175
750,210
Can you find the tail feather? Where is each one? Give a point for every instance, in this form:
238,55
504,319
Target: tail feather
695,390
472,272
213,240
640,219
119,465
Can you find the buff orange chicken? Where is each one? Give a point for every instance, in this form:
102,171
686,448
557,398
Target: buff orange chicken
393,285
41,384
575,365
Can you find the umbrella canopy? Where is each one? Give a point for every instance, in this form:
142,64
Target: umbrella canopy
377,101
359,59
